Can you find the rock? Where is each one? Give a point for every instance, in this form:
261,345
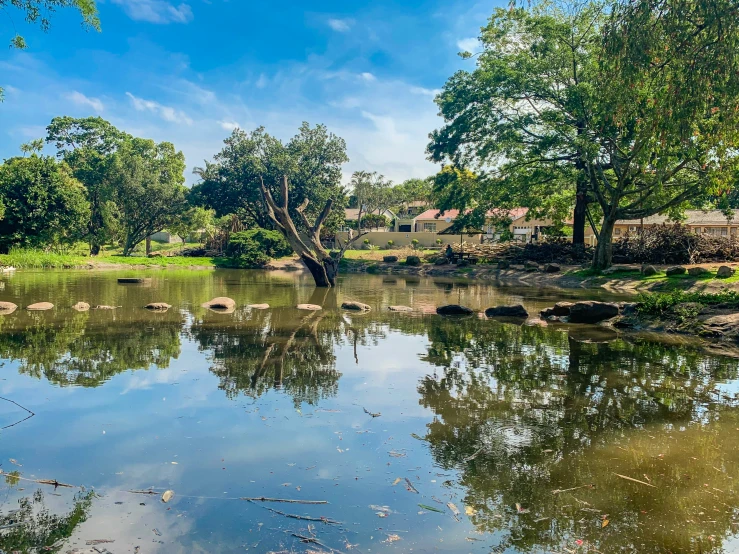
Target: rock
531,266
628,308
441,261
221,304
156,255
546,313
698,271
356,306
504,264
311,307
157,306
562,308
551,268
104,307
592,312
413,261
81,306
7,308
507,311
400,308
724,326
617,269
725,272
454,309
648,270
389,259
258,306
675,270
131,280
40,306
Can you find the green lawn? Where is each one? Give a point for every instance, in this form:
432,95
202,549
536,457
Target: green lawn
38,259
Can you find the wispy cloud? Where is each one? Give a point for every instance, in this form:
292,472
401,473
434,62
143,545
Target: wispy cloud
86,101
229,125
425,91
468,44
366,76
156,11
165,112
262,81
340,25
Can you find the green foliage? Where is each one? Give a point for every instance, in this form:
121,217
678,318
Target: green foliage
191,221
311,160
661,303
44,204
255,247
374,221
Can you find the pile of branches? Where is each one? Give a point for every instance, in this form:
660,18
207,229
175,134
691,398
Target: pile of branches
674,244
550,250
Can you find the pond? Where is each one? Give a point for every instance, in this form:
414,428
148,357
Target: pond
416,433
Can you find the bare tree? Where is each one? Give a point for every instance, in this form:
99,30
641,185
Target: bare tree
323,265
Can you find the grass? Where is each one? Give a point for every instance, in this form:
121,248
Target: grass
660,303
39,259
377,255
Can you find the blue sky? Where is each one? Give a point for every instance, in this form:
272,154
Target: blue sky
189,72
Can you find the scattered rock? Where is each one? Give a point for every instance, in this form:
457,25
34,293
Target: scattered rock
389,259
675,270
413,261
697,271
648,270
531,266
311,307
723,326
156,255
104,307
258,306
131,280
454,309
724,272
441,260
157,306
7,308
504,264
356,306
592,312
40,306
551,268
627,308
221,304
81,306
617,269
400,308
560,309
507,311
547,313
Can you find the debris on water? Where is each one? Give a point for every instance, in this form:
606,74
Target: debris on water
98,541
604,524
147,491
431,508
383,509
395,454
373,414
392,538
397,480
409,486
634,480
15,462
418,437
453,508
520,509
156,532
167,496
558,491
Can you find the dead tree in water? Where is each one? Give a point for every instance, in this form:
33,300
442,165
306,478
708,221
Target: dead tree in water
307,244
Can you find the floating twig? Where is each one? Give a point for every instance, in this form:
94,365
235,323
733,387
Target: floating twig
315,541
149,491
558,491
373,414
409,486
22,408
287,500
53,482
634,480
322,519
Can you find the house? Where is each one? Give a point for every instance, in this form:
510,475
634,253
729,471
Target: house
432,221
711,222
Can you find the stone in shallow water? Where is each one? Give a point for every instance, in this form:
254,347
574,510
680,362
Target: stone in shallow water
158,306
40,306
356,306
221,304
310,307
104,307
454,309
7,308
400,308
507,311
258,306
131,280
592,312
81,306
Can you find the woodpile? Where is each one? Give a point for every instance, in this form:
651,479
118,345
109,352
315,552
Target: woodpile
552,250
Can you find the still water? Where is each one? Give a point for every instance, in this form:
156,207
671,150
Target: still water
491,436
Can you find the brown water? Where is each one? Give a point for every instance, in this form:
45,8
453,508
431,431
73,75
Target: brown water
512,438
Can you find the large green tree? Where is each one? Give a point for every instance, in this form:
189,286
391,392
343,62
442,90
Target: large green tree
149,183
44,204
87,145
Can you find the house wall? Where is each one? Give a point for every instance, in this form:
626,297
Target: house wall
438,225
404,239
165,237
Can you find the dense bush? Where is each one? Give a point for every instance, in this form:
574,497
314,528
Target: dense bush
255,247
674,244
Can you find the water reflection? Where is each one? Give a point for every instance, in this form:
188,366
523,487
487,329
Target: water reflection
535,411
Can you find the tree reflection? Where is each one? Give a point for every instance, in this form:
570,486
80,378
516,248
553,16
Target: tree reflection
87,349
33,528
524,411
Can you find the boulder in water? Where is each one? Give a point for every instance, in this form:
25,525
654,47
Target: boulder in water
309,307
221,304
40,306
592,312
551,268
7,308
157,306
81,306
258,306
454,309
507,311
400,308
131,280
356,306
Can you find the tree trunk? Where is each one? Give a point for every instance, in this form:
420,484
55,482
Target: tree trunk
604,248
94,249
318,271
148,246
581,207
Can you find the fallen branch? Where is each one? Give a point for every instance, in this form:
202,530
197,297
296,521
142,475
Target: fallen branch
22,408
558,491
322,519
315,541
373,414
40,481
144,492
634,480
290,501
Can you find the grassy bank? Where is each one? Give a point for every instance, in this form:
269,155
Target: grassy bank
661,303
38,259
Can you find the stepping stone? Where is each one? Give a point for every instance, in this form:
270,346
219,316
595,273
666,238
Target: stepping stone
400,308
157,307
310,307
356,306
81,306
40,306
131,280
7,308
258,306
454,309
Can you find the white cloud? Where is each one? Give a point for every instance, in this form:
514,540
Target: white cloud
468,44
425,91
262,81
156,11
340,25
368,76
229,125
165,112
86,101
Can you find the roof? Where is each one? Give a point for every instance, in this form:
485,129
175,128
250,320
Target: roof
692,217
514,214
352,214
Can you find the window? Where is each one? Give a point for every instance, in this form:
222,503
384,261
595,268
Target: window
632,228
617,232
429,227
724,231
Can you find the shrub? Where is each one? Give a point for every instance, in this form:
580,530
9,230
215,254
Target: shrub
414,242
439,242
255,247
390,243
